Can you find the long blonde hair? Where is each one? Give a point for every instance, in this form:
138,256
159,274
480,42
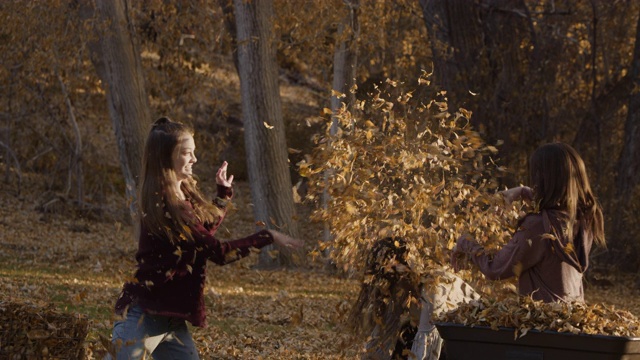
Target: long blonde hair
560,181
161,211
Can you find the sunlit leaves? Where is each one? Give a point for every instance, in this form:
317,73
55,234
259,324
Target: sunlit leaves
403,166
525,314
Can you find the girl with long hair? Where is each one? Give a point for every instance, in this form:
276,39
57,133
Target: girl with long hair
394,309
176,238
549,253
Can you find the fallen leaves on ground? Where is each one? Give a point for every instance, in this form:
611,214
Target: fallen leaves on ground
30,331
78,266
47,262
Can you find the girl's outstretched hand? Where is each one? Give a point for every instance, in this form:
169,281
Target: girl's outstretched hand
285,240
518,193
221,176
459,258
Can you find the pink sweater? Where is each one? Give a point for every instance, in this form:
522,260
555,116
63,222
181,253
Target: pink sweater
549,264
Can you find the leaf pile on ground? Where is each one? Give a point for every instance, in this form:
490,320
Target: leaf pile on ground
525,314
30,331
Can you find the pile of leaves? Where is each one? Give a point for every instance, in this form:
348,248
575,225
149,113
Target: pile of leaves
33,332
525,314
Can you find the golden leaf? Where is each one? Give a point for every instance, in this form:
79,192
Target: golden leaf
337,94
517,269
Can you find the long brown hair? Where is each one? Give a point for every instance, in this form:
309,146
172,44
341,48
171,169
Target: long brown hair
559,179
162,212
387,289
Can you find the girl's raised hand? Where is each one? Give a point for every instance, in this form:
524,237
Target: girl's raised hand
221,176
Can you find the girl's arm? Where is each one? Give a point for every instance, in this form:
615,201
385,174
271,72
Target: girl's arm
525,249
226,252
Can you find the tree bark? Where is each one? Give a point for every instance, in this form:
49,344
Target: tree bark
75,166
120,68
604,107
480,61
230,25
265,142
436,17
345,59
628,165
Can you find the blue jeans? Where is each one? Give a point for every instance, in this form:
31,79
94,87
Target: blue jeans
129,337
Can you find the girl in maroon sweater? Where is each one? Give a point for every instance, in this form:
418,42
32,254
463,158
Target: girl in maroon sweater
177,227
549,252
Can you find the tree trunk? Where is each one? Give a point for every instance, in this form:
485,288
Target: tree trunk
436,18
609,101
480,61
267,158
75,166
230,25
121,72
629,162
345,60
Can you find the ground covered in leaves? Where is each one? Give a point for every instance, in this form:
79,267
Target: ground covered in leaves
75,263
78,264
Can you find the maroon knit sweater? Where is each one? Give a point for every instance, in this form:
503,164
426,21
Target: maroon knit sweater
170,275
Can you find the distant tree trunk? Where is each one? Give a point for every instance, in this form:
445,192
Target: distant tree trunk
609,101
120,68
629,162
436,17
5,143
230,24
267,157
480,61
592,123
345,59
75,166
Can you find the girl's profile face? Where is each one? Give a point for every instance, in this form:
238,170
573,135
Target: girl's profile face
184,157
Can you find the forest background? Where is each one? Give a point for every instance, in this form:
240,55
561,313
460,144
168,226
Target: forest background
81,81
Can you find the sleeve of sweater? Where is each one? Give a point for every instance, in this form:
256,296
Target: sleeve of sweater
224,195
525,249
224,192
225,252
